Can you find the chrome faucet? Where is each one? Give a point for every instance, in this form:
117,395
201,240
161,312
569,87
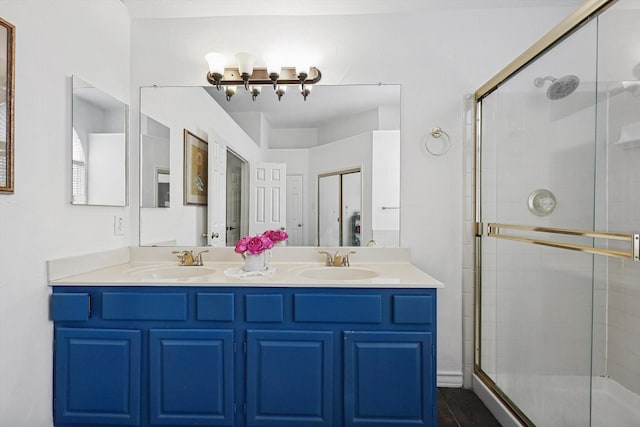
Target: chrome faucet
188,259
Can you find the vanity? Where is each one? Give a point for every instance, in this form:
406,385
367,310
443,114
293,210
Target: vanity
140,341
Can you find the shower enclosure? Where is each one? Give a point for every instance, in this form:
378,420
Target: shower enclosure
557,327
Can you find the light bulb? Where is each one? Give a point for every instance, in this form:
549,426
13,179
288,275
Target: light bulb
255,91
216,62
229,91
280,91
245,66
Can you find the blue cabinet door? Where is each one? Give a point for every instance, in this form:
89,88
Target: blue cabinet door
389,379
97,376
191,377
289,378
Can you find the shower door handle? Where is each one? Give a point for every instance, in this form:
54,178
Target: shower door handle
633,253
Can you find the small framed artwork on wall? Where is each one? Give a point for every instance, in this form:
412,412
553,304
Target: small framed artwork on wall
195,169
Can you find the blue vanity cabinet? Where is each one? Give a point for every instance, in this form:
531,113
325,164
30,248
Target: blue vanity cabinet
243,356
290,378
97,376
400,394
191,377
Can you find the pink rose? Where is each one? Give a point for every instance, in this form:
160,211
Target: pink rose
276,235
256,245
241,246
266,242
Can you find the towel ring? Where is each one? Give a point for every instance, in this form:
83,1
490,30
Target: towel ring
437,132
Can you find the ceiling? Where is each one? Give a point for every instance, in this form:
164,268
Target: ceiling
149,9
324,104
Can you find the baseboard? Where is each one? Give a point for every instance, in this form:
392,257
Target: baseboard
497,408
452,379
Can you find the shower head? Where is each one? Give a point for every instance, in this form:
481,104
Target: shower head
559,88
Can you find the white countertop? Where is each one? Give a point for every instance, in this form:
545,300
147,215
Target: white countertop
128,267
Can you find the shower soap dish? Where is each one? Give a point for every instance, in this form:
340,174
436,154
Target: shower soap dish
629,134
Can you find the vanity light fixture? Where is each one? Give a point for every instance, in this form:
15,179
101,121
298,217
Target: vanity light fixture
253,78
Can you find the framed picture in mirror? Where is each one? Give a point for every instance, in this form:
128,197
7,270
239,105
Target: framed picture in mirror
195,169
7,55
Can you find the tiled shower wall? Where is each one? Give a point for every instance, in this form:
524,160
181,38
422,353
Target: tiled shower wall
623,363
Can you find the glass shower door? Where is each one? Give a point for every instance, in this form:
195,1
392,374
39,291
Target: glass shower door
537,177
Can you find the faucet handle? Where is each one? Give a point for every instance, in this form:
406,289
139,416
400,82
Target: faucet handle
346,262
328,259
198,258
180,255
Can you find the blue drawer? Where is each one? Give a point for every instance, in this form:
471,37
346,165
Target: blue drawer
413,309
71,306
264,308
215,306
333,308
144,306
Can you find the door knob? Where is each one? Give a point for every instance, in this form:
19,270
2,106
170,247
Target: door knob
213,235
231,228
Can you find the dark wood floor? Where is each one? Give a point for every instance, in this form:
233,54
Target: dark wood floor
459,407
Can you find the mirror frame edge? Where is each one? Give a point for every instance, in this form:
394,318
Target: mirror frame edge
11,45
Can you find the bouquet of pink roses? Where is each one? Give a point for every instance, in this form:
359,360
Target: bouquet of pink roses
253,245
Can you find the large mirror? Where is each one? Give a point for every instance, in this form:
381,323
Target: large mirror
99,147
326,170
7,43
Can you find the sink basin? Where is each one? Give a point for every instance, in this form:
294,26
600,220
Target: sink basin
338,273
171,272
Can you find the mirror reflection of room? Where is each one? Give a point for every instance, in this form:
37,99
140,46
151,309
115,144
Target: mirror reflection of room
98,147
268,159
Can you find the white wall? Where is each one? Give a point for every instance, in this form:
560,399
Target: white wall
293,137
54,39
456,52
385,186
352,125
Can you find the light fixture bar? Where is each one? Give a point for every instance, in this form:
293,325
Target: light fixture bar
260,76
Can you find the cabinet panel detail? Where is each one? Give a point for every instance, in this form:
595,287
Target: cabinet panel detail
332,308
71,306
401,393
289,378
413,309
97,376
215,306
144,306
191,377
264,308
